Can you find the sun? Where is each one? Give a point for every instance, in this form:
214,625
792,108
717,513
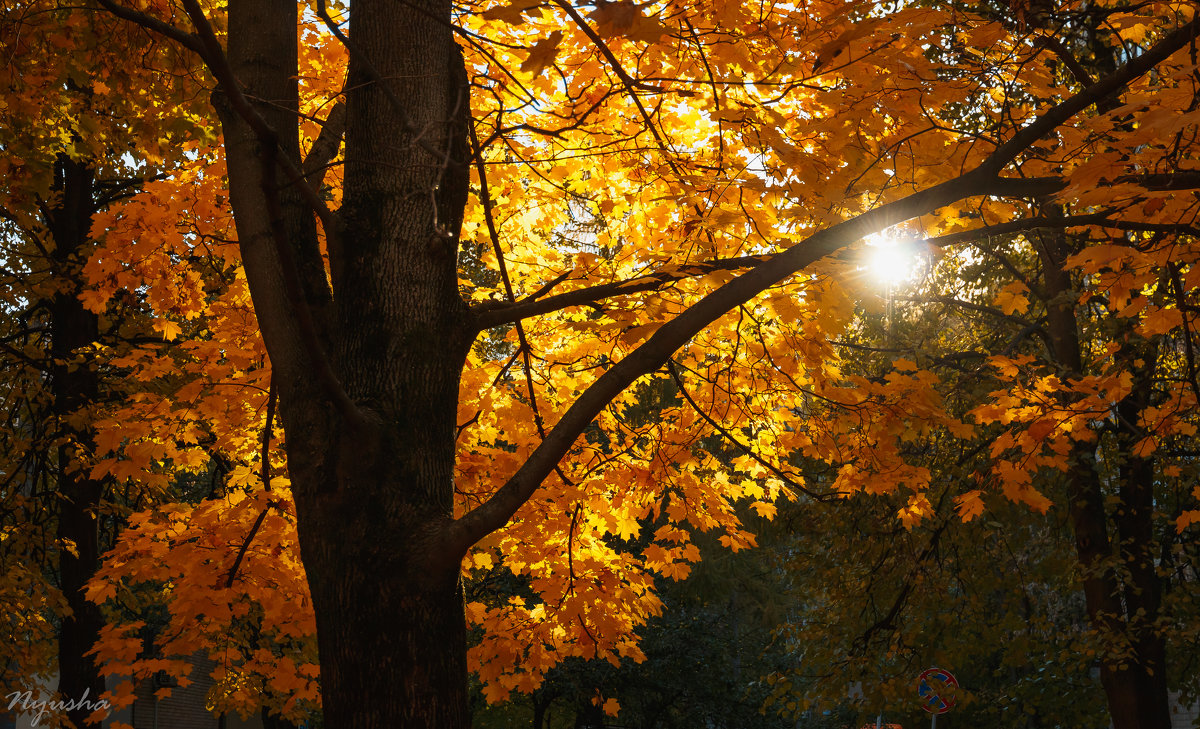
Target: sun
891,261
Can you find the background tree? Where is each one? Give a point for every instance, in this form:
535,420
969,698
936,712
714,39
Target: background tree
119,394
1083,369
69,118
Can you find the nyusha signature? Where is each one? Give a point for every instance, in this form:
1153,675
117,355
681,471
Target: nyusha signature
24,701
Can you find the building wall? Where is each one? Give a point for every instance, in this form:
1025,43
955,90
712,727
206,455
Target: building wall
184,708
1183,717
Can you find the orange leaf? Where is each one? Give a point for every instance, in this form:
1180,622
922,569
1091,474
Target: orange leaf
969,505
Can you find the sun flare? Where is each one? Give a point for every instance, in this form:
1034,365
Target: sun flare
891,261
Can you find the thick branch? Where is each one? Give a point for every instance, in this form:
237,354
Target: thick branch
205,43
1100,220
1016,226
497,313
272,156
656,350
183,38
1098,91
1070,61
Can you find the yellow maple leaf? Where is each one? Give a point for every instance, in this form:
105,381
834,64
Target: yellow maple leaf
167,328
1012,299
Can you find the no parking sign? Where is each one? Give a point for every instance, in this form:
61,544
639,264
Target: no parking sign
937,688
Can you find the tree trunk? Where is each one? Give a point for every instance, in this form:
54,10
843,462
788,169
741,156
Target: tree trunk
541,703
368,353
1134,686
370,436
1137,546
74,386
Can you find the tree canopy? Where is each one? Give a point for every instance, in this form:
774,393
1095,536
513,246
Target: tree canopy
387,297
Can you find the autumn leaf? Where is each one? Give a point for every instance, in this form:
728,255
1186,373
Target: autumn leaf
969,505
1144,447
832,49
512,13
168,328
94,300
542,53
916,511
625,19
1186,519
614,222
1012,298
1160,321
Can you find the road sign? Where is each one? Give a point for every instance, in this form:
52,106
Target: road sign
937,689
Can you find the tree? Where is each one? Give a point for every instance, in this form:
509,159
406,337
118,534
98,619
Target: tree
731,149
120,394
63,111
1077,326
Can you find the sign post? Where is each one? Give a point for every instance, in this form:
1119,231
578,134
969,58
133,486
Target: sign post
937,688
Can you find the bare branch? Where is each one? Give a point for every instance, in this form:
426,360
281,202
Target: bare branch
1101,220
605,51
1070,61
1015,226
740,445
183,38
265,474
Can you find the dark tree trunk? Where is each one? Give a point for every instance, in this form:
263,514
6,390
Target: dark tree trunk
588,716
370,444
1137,544
1135,687
541,703
74,384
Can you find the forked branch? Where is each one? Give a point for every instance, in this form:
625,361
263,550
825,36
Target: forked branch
205,43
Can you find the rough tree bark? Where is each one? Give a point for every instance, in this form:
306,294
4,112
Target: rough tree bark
371,438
